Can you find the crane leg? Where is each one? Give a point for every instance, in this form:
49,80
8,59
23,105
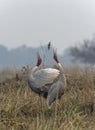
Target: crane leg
42,103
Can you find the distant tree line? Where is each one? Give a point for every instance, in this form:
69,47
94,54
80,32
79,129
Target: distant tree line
84,52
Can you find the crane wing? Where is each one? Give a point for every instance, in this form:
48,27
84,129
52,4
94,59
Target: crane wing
46,76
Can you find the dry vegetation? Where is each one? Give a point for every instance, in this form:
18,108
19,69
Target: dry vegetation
20,108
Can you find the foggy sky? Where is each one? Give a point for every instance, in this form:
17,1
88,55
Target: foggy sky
34,22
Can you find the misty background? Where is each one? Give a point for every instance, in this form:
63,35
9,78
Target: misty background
82,53
23,56
25,26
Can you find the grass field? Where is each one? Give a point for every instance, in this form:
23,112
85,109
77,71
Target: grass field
20,108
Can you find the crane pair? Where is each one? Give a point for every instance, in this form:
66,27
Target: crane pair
48,82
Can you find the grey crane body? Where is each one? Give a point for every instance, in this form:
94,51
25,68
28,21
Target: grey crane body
48,82
37,89
41,81
58,88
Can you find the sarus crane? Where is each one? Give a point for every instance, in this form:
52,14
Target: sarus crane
48,82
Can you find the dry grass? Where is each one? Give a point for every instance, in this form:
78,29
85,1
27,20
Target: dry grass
20,108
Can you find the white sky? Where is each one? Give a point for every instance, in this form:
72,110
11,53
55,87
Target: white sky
31,22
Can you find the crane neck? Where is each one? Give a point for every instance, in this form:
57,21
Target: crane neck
60,67
33,70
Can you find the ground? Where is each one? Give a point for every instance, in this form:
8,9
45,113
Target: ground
21,109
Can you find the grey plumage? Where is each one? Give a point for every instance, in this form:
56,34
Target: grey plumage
48,82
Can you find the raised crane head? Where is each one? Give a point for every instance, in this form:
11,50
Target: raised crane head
55,55
39,61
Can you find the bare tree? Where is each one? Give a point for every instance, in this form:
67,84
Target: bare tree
84,52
